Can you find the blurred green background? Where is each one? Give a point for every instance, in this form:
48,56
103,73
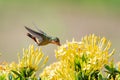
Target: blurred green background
66,19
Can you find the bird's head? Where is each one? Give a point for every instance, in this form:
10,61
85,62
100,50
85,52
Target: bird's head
56,41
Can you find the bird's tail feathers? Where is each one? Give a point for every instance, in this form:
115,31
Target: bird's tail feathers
29,35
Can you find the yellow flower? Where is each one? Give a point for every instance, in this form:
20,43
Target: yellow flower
58,71
118,65
32,60
4,71
92,53
49,71
94,49
69,50
79,58
3,66
97,50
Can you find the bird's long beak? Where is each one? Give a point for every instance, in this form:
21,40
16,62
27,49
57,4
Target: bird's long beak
57,43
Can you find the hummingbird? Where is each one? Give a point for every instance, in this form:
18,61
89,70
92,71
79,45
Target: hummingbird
41,38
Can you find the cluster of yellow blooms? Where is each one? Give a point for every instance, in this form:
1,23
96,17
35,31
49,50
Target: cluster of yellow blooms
32,60
87,56
3,70
76,61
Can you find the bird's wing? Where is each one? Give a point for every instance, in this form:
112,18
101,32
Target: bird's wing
39,29
35,34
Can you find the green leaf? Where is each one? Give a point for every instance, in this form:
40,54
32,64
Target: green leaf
108,68
100,77
77,64
15,72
